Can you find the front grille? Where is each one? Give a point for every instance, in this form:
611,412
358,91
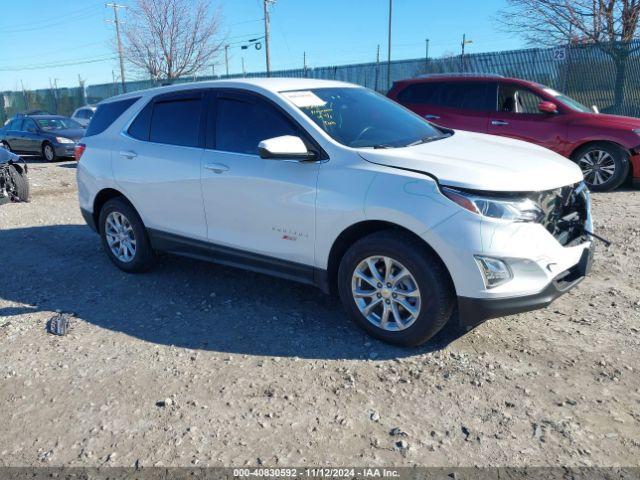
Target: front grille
565,212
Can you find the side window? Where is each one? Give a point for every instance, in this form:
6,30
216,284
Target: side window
243,123
468,96
515,99
139,128
106,114
82,113
176,121
424,93
29,126
15,124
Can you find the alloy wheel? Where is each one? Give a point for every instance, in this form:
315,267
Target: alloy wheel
386,293
120,237
598,167
49,153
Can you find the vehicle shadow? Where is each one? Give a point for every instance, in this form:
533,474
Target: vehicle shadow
182,302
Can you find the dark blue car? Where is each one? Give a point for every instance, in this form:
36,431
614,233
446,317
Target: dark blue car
51,136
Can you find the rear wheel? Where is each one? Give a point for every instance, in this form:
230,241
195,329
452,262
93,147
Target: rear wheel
48,152
124,237
393,287
20,183
604,165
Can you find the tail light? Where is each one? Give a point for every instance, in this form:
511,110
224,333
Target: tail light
79,150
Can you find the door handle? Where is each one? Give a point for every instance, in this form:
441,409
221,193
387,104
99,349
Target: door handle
128,154
499,123
217,167
432,117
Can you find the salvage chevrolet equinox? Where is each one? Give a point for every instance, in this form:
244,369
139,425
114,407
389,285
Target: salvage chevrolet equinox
331,184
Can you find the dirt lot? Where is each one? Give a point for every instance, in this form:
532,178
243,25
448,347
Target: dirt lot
199,364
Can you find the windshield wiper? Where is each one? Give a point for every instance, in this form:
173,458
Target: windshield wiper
427,140
382,145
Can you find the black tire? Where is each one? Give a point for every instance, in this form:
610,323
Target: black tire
428,271
48,152
144,256
20,183
619,159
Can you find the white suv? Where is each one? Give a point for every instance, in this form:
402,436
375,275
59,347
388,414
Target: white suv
334,185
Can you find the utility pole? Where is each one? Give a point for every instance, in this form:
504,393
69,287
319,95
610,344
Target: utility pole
377,68
266,4
82,92
244,73
226,58
24,94
426,54
389,46
464,43
304,63
115,7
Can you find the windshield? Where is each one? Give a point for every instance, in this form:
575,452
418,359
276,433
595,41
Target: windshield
51,124
568,101
361,118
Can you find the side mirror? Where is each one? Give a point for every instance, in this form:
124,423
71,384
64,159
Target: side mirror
285,147
548,107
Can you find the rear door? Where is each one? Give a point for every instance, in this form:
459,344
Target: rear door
157,164
13,135
463,105
517,116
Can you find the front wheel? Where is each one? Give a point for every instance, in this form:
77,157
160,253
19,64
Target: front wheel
395,288
48,152
604,165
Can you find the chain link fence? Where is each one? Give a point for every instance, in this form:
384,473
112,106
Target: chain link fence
585,72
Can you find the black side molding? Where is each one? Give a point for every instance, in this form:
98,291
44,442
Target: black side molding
88,218
188,247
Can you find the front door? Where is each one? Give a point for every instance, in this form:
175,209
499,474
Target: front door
31,140
518,116
264,207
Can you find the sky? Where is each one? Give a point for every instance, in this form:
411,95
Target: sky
55,41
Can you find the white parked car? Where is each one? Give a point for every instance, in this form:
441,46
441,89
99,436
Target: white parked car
331,184
83,115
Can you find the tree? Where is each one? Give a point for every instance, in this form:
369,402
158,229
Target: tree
610,25
172,38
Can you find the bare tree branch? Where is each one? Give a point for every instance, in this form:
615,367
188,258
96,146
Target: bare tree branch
172,38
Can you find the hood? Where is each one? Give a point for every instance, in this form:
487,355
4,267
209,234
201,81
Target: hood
612,120
74,134
483,162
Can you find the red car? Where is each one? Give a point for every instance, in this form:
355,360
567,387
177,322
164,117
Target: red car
606,147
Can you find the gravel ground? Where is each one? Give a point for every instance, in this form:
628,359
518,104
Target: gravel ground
196,364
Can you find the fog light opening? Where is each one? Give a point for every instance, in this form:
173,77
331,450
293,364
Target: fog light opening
494,271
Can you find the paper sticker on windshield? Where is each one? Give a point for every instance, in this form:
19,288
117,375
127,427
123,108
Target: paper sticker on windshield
305,99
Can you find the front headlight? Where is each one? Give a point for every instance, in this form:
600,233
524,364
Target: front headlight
64,140
517,209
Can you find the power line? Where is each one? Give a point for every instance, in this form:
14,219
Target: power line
63,21
49,52
57,64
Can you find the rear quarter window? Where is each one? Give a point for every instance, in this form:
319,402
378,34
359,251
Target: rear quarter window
106,114
425,93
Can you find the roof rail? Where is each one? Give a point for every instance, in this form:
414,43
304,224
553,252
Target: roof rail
460,74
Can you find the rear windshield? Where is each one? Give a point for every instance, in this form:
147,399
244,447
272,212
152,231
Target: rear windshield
106,114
